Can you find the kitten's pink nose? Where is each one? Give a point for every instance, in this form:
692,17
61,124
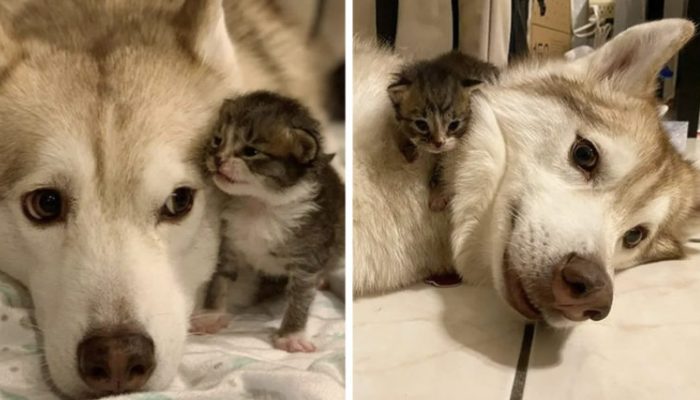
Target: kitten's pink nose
438,143
227,169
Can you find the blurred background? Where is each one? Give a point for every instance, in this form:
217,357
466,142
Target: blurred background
500,31
323,22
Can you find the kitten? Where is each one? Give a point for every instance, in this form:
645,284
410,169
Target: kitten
432,109
285,214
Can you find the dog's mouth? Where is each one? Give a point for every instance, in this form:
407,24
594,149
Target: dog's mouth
516,295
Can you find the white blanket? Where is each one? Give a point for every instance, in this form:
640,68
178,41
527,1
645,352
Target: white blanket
238,363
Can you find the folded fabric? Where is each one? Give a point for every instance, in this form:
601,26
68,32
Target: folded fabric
238,363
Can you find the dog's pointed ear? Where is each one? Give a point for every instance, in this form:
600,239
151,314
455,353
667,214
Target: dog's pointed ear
696,187
632,60
203,29
305,146
7,46
398,88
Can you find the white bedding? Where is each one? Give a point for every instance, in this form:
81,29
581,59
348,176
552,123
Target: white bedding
238,363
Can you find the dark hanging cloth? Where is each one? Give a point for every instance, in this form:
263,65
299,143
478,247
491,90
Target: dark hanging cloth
387,12
518,28
455,24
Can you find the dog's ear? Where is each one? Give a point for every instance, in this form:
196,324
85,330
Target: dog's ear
696,188
203,29
398,88
632,60
8,48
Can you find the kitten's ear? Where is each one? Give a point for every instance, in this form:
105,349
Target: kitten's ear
631,61
467,83
203,29
305,146
398,88
325,159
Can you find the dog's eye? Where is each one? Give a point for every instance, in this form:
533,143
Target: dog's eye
453,125
584,155
216,141
178,204
44,206
421,125
634,236
249,151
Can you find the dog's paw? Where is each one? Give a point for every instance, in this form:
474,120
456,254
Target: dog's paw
293,343
209,323
438,200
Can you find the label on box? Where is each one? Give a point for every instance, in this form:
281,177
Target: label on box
548,42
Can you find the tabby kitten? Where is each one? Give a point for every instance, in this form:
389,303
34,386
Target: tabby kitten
432,109
284,216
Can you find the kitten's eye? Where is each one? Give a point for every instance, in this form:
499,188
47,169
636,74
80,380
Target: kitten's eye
421,125
44,206
453,125
584,155
178,204
634,236
250,151
216,141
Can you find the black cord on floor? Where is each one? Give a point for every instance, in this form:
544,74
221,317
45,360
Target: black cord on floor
516,392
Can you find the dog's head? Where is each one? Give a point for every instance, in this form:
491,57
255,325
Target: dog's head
105,216
591,184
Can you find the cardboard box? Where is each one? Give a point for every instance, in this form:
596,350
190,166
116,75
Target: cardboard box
548,42
557,15
550,34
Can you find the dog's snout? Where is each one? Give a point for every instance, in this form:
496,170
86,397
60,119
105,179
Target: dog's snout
116,363
582,289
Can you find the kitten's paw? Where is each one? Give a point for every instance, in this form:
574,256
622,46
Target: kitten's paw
293,343
439,201
209,323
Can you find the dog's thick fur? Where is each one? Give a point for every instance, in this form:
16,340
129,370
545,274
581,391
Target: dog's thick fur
517,191
108,102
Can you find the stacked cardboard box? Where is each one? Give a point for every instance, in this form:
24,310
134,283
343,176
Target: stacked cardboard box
550,34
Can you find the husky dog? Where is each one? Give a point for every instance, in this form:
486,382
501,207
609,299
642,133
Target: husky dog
565,178
431,107
285,213
106,216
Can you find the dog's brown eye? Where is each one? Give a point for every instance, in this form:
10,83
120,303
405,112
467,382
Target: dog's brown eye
44,206
453,126
216,141
178,204
634,236
250,151
584,155
421,125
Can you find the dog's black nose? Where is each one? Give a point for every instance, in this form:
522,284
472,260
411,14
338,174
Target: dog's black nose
117,363
582,289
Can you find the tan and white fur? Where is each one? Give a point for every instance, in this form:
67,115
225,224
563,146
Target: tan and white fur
106,103
517,191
